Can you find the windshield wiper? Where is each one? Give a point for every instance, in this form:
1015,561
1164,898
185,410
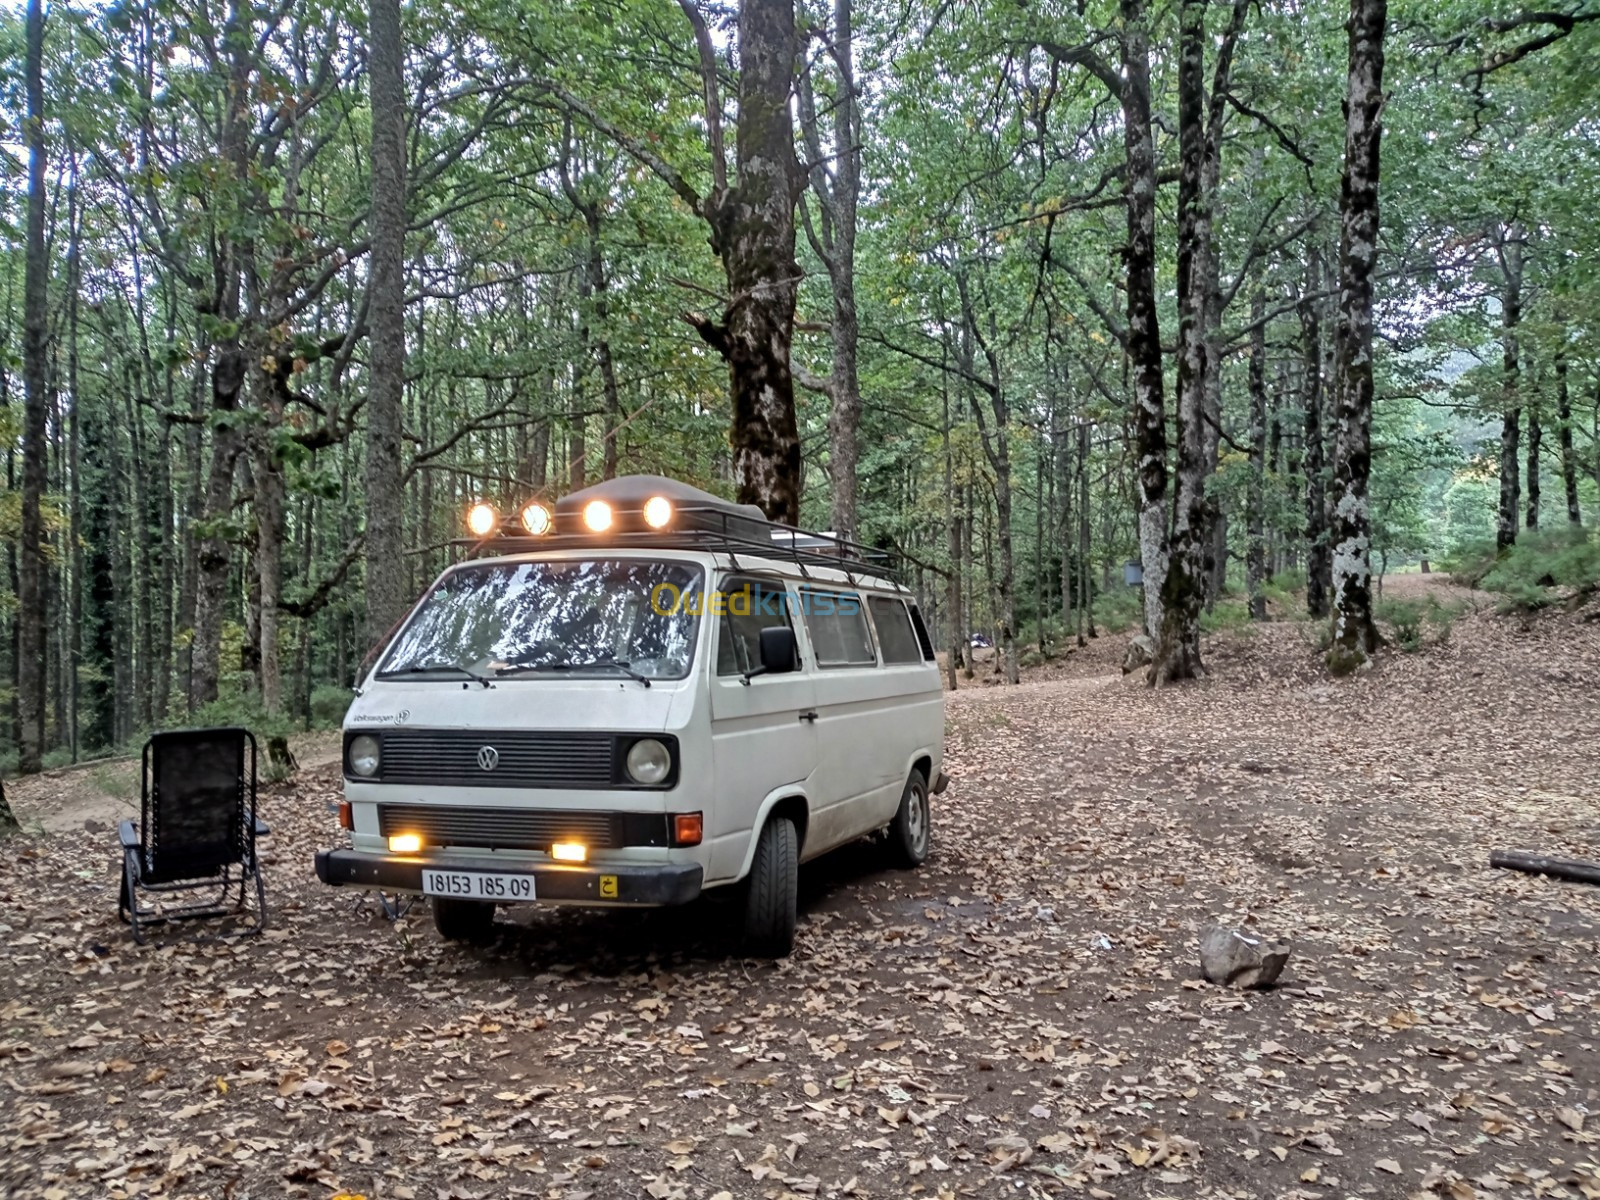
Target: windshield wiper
620,664
440,668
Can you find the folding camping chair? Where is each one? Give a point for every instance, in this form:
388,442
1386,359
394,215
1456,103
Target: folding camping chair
197,828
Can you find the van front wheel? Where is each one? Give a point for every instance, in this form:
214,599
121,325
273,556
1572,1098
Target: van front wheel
772,893
463,920
911,831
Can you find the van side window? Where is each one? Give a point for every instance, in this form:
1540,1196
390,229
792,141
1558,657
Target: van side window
923,639
748,607
895,635
838,627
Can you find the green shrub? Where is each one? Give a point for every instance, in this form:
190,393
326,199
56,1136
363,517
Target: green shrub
1471,561
1567,558
1030,657
1118,608
1416,623
1226,615
328,705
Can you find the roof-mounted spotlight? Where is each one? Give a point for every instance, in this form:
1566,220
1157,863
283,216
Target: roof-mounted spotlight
657,512
482,519
536,519
597,516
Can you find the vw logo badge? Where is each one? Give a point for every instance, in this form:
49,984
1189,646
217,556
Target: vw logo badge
488,758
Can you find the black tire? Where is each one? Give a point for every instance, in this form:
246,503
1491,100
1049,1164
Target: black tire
463,920
911,832
772,892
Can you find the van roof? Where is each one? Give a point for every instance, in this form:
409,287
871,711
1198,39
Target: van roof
751,563
654,513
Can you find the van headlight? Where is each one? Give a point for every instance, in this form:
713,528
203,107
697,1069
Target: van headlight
649,761
363,755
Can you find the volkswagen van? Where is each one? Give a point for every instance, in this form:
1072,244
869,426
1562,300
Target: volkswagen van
634,696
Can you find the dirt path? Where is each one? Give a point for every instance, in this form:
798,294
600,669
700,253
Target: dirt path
1021,1017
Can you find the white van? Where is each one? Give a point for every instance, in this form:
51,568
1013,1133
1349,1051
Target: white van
643,694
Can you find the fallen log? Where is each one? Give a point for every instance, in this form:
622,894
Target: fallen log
1575,869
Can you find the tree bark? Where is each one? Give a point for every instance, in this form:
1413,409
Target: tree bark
1509,247
1144,330
31,614
1183,591
1355,636
1569,460
385,480
837,187
1319,560
1535,443
1256,497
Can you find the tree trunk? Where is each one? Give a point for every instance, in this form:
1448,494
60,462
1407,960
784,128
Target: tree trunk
1256,498
31,615
1183,591
837,186
952,517
1509,247
1355,636
1569,460
1535,441
1319,560
1144,331
385,558
1085,596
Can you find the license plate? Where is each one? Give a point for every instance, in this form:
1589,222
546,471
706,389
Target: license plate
477,885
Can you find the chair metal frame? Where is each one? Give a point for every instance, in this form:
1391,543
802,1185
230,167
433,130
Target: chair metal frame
141,866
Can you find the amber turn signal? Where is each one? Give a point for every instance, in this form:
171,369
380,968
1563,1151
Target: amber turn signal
346,819
687,829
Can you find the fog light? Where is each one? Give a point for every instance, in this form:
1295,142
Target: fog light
569,852
405,843
597,516
657,512
481,519
687,829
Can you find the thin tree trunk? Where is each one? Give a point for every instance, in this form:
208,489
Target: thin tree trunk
1569,460
1535,441
1085,592
31,616
385,542
1144,331
952,519
1319,561
1355,636
1256,498
1510,251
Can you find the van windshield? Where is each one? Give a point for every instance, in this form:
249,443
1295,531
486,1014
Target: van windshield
566,617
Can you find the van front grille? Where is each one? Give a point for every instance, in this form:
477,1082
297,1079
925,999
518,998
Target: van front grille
522,759
521,828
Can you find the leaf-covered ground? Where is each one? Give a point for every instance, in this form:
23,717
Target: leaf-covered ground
1021,1017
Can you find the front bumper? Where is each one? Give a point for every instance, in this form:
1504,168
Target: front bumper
677,884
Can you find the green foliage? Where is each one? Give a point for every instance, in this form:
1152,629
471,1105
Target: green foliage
1543,566
1227,616
1415,623
1119,609
1471,561
328,705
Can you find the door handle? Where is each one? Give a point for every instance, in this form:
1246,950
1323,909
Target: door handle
809,715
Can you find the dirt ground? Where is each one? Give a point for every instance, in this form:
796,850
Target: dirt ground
1021,1017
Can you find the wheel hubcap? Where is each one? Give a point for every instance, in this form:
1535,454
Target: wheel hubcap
917,819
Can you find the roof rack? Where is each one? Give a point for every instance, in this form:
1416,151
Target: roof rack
699,521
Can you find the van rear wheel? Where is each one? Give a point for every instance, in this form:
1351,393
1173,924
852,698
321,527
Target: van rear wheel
463,920
772,896
911,831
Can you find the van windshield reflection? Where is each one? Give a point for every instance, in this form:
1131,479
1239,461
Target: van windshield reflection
552,619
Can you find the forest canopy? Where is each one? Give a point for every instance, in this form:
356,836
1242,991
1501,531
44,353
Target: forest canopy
1026,292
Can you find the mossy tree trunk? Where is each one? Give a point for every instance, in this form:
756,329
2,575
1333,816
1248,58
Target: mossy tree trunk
1355,636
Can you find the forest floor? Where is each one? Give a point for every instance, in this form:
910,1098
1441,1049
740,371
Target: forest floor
1021,1017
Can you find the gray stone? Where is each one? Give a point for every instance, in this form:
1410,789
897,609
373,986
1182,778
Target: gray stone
1239,960
1141,652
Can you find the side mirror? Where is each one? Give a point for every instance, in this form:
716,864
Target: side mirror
779,654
